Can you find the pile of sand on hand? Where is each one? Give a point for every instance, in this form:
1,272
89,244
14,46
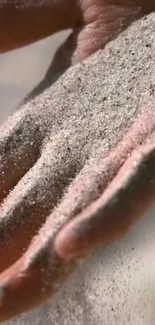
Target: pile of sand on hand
121,78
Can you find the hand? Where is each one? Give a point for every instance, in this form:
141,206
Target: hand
53,172
47,179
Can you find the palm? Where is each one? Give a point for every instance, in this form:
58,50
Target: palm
46,158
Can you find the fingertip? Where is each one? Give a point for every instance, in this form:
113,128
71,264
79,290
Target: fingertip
18,290
63,245
9,287
30,281
69,244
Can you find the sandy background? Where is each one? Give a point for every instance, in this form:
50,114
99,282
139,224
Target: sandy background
129,266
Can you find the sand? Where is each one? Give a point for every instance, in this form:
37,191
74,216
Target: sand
91,107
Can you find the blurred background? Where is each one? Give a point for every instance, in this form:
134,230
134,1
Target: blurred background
23,69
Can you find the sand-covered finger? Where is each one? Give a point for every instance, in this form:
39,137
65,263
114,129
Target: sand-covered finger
111,216
96,176
29,281
31,201
20,140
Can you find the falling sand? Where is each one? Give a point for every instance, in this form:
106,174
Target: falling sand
78,120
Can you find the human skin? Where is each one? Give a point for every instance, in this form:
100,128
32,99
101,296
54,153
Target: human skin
94,23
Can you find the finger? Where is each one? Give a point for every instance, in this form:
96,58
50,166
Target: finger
122,204
27,206
20,140
35,277
102,22
24,22
79,236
